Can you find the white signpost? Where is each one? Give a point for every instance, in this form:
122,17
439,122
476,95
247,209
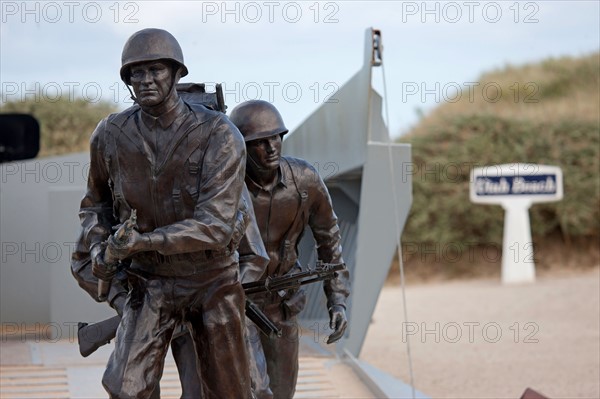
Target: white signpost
516,186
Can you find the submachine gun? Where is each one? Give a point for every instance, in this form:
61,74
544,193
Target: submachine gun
322,271
93,336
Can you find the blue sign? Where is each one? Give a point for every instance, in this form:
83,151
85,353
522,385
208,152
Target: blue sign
516,182
542,184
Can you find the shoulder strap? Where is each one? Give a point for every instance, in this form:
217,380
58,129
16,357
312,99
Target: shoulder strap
302,200
112,150
287,246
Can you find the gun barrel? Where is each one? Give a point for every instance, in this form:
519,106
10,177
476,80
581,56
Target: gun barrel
264,324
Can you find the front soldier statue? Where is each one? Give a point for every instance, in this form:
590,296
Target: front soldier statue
181,167
287,194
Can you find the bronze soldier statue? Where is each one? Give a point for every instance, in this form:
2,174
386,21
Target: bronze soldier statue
287,194
181,166
253,260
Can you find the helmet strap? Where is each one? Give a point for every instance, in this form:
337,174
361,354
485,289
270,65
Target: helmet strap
176,77
260,173
133,97
253,162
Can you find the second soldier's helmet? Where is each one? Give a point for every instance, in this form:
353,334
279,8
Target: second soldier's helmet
257,119
150,45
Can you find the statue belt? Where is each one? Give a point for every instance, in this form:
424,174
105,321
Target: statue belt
180,264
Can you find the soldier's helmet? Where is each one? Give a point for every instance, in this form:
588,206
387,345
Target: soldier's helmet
150,45
258,119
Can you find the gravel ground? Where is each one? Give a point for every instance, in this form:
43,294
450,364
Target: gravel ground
482,339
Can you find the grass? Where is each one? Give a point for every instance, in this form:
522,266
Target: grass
65,125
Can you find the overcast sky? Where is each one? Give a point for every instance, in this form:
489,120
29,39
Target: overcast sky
294,54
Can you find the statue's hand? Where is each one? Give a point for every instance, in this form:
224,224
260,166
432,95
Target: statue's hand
135,243
337,322
100,269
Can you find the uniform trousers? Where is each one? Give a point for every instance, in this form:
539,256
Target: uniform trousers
275,360
210,303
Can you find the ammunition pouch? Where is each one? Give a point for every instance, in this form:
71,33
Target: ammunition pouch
293,303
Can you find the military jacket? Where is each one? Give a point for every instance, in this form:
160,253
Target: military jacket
299,199
183,172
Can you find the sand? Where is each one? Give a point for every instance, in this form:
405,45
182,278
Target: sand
482,339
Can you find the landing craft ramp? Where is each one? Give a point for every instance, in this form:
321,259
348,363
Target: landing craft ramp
347,140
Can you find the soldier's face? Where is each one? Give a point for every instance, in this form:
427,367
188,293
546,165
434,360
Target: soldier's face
151,82
265,152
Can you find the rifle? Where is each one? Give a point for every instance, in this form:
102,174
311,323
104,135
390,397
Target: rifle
120,239
93,336
322,271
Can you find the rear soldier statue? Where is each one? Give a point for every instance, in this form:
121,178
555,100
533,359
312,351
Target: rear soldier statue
181,166
287,194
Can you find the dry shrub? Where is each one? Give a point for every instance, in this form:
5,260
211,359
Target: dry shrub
561,127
